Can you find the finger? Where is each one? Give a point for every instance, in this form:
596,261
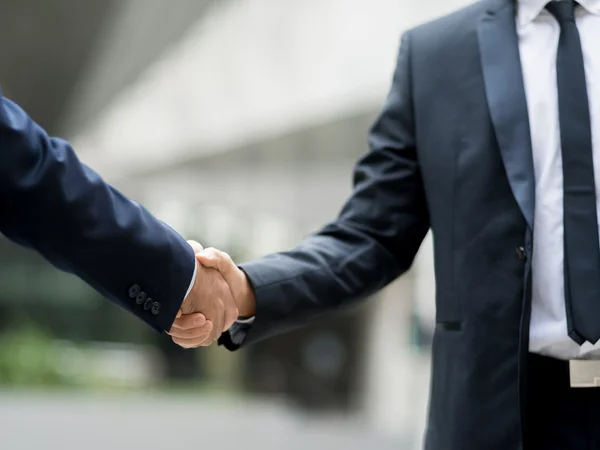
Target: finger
179,313
192,333
189,344
199,341
189,321
215,259
209,257
196,246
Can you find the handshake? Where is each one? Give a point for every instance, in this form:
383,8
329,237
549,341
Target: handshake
221,294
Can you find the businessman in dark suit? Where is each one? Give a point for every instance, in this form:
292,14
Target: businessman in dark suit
490,136
52,203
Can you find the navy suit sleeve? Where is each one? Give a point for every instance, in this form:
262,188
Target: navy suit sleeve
373,241
54,204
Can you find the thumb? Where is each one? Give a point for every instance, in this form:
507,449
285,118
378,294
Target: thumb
215,259
196,246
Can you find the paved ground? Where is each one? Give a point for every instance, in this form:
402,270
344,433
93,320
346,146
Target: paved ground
158,422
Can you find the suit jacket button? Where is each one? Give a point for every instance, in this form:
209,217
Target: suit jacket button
134,291
148,304
155,308
521,253
141,298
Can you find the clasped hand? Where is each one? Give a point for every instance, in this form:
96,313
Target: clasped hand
220,293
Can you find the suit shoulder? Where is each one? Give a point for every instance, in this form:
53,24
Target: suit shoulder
450,27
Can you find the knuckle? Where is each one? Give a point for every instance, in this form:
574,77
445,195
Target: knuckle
198,333
185,325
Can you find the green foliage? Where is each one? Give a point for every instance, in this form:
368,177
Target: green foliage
29,357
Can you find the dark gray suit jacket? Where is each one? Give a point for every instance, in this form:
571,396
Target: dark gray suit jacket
451,150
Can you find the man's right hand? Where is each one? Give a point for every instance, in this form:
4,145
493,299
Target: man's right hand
236,278
207,311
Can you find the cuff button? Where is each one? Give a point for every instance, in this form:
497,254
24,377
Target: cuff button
148,304
141,298
134,291
155,308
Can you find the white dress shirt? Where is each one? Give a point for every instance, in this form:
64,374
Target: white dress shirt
538,33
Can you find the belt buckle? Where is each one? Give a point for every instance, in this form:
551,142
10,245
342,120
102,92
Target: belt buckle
584,373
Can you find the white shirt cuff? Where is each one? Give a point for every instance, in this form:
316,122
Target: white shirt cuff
248,321
193,280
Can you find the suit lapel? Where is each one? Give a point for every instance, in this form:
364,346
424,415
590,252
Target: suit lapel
503,79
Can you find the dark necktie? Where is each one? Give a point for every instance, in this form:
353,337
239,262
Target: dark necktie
582,249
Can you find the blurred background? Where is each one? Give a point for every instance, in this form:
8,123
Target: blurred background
238,122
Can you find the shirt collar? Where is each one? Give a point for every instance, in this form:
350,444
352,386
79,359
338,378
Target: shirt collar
528,10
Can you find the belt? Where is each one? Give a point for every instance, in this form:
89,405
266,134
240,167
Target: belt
576,373
584,373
